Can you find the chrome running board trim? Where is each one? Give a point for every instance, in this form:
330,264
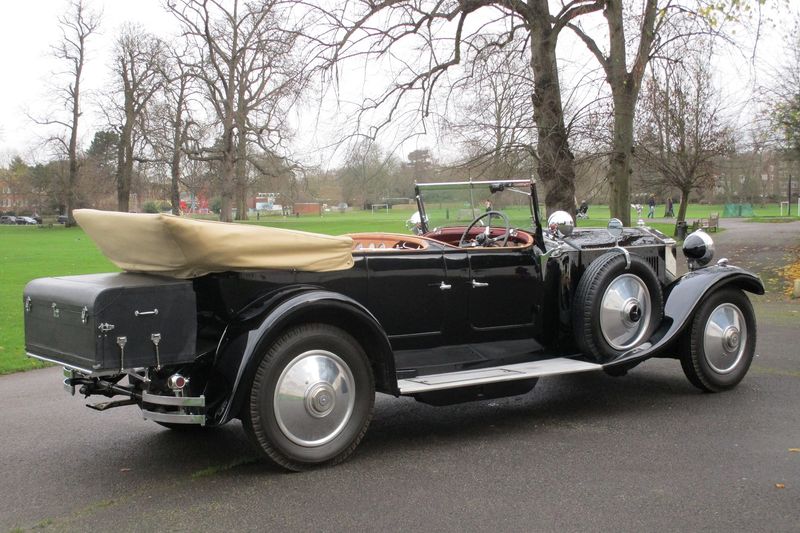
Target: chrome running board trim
497,374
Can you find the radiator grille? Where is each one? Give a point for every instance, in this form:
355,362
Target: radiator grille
653,261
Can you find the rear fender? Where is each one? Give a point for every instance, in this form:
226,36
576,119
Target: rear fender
682,298
241,348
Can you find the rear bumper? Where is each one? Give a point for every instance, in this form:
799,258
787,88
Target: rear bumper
184,409
164,408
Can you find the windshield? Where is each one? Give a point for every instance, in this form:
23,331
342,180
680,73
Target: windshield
458,204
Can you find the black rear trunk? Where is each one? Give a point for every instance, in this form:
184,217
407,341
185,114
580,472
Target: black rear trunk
106,322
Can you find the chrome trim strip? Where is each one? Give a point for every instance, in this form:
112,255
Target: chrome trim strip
62,363
466,378
175,401
174,418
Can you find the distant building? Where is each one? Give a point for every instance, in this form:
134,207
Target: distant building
11,199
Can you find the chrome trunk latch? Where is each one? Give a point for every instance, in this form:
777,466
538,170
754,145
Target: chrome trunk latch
121,342
84,315
56,310
105,327
156,338
28,304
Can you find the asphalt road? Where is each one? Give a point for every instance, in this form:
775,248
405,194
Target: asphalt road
582,452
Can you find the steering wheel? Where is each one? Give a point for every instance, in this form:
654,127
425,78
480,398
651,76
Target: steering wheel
483,238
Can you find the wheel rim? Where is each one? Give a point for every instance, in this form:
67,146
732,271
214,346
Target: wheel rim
314,398
625,312
725,338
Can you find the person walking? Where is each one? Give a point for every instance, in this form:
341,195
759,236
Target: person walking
651,213
670,213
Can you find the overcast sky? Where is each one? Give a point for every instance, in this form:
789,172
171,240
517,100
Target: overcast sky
29,28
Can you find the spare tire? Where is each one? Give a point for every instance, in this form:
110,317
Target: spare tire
616,308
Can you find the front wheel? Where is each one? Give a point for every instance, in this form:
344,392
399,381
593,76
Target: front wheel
311,398
718,346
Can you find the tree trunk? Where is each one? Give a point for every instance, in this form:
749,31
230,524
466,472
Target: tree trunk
178,139
619,167
226,192
69,199
625,91
241,178
125,156
683,207
124,176
555,165
175,176
72,183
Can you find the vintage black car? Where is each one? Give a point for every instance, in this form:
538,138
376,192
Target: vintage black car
296,341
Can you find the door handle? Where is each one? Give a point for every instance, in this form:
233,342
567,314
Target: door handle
445,287
478,284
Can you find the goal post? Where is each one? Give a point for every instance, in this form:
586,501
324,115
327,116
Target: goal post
379,207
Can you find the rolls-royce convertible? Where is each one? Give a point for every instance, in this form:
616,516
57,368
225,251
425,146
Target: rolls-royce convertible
293,333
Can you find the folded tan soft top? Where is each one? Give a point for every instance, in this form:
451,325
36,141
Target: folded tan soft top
187,248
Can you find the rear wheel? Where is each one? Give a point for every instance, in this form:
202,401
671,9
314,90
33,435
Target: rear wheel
311,398
718,346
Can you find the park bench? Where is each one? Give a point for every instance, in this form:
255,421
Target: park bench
712,222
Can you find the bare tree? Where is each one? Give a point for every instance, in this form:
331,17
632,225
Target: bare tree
495,121
785,94
169,119
367,173
250,79
682,129
138,59
455,33
77,25
633,39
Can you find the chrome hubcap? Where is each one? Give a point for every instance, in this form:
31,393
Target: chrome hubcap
724,338
625,311
314,398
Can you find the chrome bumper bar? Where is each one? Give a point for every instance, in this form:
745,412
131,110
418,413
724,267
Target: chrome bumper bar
178,404
174,417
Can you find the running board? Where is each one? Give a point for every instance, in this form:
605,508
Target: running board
497,374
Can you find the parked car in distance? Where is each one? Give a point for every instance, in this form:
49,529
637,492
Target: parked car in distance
24,221
62,219
8,219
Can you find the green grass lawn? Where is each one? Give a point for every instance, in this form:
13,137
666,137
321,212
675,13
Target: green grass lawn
29,252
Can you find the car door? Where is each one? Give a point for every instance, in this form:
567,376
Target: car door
406,291
504,288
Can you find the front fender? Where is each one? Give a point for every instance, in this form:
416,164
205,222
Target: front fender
240,351
682,298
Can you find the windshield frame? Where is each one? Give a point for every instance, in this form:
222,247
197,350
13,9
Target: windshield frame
525,187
